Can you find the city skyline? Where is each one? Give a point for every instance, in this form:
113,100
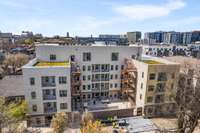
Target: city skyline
96,17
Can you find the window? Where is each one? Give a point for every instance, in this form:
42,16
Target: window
89,68
32,81
83,87
142,74
172,86
152,76
116,76
141,85
140,96
122,67
115,56
88,87
62,80
63,105
83,68
133,56
115,85
83,77
173,75
111,67
151,88
162,76
159,98
89,77
149,99
116,67
105,67
160,87
87,56
111,85
49,94
34,108
111,76
63,93
96,68
33,95
48,81
52,57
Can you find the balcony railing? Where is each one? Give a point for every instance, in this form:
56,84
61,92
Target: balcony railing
48,84
49,97
50,110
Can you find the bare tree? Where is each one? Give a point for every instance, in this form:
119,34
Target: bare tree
59,122
14,62
188,101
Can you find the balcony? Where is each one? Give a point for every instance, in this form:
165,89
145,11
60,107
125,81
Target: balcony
50,107
49,97
48,81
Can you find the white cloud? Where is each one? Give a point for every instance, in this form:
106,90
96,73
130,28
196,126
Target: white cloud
148,11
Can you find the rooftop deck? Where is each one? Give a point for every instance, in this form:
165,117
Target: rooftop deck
50,64
152,62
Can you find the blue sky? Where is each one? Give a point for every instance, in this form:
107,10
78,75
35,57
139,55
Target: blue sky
86,17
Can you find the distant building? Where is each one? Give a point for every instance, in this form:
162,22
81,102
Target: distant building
111,36
186,37
166,50
157,36
195,36
134,37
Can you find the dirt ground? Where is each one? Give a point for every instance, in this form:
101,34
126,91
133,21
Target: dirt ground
170,123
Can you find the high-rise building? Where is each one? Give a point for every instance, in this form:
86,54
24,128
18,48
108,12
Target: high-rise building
134,37
195,36
186,37
157,36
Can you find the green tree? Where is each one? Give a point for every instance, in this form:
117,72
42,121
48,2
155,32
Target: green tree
59,122
11,114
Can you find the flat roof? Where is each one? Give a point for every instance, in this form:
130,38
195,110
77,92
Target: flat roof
50,64
152,62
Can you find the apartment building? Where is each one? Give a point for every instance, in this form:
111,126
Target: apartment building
165,50
156,86
74,78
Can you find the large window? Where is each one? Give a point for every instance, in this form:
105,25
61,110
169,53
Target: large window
50,107
151,88
34,108
87,56
63,93
162,76
49,94
115,57
84,67
160,87
52,57
62,80
149,99
32,81
159,98
48,81
104,77
96,68
152,76
63,106
33,95
105,67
